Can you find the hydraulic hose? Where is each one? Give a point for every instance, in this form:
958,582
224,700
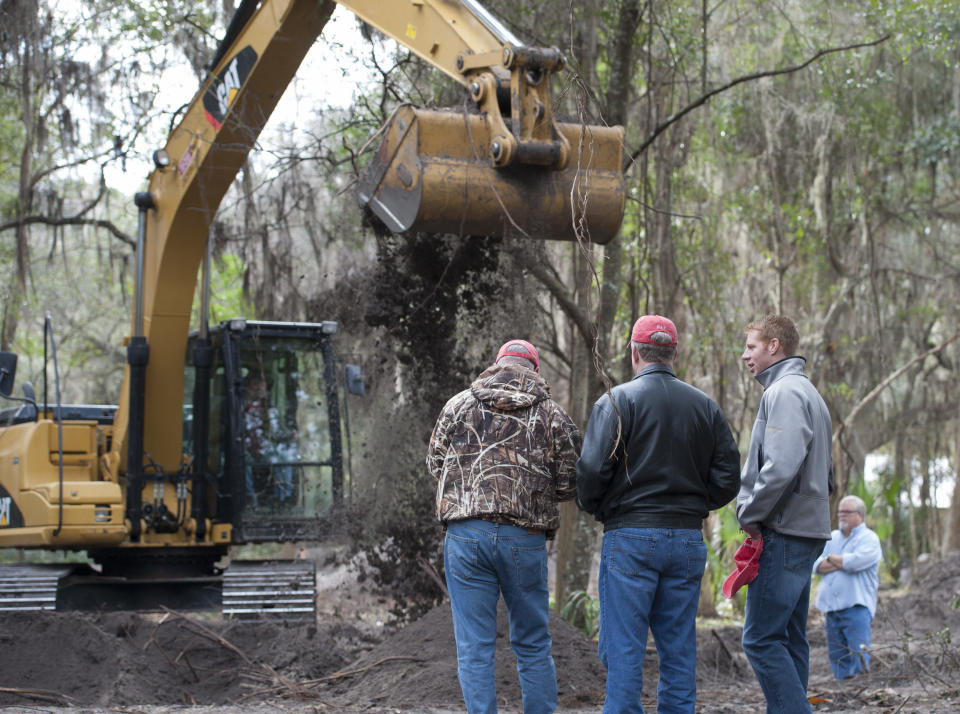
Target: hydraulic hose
48,331
138,355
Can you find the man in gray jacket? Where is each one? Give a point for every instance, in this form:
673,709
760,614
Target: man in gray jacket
785,500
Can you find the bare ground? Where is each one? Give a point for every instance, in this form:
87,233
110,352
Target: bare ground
353,660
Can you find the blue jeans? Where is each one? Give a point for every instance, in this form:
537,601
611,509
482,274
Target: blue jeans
483,560
847,631
650,580
775,628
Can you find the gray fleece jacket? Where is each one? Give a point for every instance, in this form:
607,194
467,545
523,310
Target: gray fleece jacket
788,474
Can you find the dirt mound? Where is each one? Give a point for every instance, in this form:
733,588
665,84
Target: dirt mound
202,663
120,659
124,659
930,604
418,666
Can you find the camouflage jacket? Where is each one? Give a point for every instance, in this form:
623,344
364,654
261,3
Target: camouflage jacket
505,451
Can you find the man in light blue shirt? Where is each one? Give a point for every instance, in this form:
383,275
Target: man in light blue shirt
848,590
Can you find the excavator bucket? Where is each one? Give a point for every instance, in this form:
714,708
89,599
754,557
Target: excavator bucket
432,173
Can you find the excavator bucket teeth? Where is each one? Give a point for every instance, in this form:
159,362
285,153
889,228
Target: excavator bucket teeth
432,173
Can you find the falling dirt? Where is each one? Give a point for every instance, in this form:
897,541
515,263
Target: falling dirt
350,660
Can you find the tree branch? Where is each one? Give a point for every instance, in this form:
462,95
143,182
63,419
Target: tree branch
859,407
41,174
673,118
70,221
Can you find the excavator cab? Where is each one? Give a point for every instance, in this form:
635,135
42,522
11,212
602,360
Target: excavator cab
273,447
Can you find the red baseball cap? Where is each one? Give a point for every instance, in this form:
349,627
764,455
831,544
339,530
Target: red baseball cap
747,559
520,348
648,324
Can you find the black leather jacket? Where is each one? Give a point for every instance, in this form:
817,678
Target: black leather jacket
675,460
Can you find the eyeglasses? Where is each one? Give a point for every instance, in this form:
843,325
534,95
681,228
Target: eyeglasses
843,512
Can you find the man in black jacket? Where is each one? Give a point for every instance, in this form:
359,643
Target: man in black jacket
657,456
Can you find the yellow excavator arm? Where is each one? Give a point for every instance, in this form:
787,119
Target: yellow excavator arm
438,31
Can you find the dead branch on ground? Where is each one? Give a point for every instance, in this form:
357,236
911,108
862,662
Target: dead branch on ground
43,695
207,632
361,670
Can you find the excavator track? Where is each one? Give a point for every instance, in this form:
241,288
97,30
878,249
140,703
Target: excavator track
30,587
251,590
270,590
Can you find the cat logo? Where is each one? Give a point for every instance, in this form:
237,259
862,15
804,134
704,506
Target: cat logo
219,96
5,511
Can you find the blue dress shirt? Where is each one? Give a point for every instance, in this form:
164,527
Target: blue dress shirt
857,582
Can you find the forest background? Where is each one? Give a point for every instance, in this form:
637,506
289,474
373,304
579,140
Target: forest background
781,156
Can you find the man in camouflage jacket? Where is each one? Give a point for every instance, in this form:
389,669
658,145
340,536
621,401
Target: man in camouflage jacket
504,455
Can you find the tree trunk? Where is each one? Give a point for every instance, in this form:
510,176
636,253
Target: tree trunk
899,471
707,607
574,553
18,290
925,516
951,541
575,549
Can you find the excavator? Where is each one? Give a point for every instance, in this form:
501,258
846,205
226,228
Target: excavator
231,434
